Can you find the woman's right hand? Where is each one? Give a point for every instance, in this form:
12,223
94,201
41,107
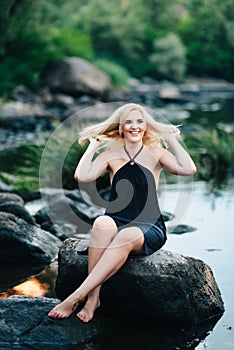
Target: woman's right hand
94,143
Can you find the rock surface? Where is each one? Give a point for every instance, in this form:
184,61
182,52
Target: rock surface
14,204
76,76
21,242
24,324
67,212
165,287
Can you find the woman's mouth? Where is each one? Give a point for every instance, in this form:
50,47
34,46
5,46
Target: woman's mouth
134,133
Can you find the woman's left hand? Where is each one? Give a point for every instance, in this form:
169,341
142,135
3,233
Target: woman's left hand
173,135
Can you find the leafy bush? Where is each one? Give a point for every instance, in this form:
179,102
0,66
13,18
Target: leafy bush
168,59
70,42
119,75
24,61
214,154
20,168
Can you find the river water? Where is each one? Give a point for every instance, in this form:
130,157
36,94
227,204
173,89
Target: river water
212,215
212,242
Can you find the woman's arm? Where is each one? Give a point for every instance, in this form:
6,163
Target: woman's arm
180,162
88,169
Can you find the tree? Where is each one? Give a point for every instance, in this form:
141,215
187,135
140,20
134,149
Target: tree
205,34
168,60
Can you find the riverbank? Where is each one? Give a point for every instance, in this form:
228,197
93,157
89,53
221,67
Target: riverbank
29,117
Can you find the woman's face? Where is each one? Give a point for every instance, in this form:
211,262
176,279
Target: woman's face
134,127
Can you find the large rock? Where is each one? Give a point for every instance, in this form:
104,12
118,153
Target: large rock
21,242
14,204
24,324
67,212
165,287
76,76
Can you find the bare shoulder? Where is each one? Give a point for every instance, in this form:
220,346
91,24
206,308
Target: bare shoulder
157,152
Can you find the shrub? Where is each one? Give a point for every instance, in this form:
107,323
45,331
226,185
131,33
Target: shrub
214,154
168,59
70,42
118,74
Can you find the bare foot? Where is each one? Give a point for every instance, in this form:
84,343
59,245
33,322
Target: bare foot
86,314
64,309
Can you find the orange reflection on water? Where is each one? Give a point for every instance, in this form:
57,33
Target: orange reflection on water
31,288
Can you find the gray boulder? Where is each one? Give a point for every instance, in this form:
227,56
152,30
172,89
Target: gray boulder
76,76
6,197
21,242
165,287
14,204
67,212
24,324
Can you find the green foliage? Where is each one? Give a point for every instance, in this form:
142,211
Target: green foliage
25,59
205,34
119,75
214,154
168,59
31,39
70,42
33,33
19,168
117,29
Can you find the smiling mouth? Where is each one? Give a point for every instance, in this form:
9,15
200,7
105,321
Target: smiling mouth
134,132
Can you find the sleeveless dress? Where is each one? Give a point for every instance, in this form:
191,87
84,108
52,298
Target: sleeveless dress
134,202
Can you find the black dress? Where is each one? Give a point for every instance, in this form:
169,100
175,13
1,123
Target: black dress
134,202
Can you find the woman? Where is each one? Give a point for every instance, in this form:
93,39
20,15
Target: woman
132,222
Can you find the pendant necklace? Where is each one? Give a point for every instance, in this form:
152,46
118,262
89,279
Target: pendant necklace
132,159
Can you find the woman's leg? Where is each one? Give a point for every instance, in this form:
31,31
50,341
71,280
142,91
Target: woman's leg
112,259
103,232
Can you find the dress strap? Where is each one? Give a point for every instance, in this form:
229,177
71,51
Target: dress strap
132,159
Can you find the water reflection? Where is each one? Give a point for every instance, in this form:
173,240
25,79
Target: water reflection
30,281
119,334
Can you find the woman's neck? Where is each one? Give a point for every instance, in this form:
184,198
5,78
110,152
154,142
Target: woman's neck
133,147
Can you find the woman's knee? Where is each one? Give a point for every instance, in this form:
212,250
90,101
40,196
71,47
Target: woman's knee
104,222
103,231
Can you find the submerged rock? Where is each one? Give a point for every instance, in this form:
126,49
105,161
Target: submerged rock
164,287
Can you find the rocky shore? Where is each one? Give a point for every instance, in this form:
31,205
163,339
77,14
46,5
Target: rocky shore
70,87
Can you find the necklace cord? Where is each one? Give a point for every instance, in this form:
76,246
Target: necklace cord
133,158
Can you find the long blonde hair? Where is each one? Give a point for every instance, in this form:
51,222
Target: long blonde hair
110,131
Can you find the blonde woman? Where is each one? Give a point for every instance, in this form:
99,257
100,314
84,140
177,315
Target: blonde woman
132,223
